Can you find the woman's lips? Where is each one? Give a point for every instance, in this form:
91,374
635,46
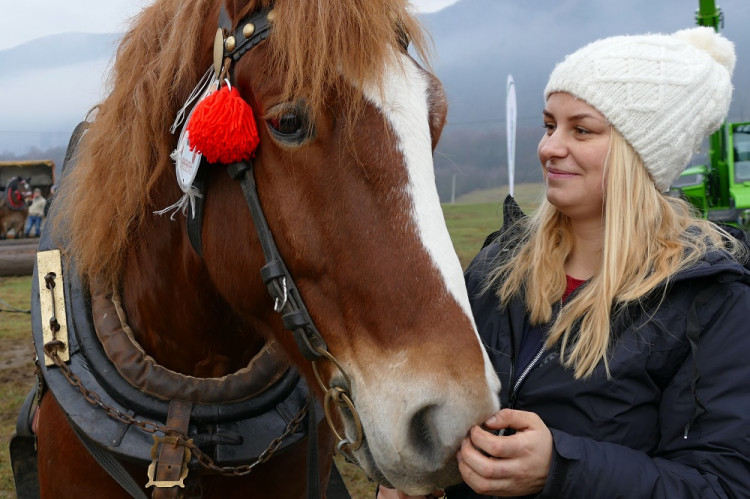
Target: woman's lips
555,173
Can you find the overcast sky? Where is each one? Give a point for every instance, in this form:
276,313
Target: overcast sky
21,21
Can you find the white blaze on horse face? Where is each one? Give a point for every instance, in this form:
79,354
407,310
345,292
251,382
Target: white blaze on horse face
404,103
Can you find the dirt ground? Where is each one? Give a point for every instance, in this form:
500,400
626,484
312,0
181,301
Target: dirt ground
16,361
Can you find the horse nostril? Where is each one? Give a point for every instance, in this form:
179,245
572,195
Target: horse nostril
423,431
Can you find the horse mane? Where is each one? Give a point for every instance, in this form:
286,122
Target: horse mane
125,154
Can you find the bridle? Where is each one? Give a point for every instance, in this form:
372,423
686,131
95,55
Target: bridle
229,47
294,313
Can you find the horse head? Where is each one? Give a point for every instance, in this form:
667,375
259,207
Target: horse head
17,191
347,121
24,185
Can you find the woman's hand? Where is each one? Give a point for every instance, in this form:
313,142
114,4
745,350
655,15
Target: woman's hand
515,465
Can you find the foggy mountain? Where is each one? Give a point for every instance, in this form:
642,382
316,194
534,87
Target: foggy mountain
47,85
478,43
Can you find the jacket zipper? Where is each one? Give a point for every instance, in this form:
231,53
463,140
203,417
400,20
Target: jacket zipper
522,377
517,385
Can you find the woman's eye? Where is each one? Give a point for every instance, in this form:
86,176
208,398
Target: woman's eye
582,131
287,124
550,127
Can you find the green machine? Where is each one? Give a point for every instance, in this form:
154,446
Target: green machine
720,190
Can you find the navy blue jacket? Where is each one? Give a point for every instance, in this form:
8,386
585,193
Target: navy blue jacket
673,421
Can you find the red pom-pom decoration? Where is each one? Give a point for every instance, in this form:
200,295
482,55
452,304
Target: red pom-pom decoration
222,127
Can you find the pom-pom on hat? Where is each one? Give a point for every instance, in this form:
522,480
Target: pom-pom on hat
663,93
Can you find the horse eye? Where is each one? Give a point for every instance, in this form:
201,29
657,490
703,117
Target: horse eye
290,123
287,125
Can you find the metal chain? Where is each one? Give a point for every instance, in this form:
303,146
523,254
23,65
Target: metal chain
51,349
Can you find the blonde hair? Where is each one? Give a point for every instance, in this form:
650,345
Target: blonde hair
648,237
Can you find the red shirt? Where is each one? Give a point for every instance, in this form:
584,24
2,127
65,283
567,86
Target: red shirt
533,336
572,285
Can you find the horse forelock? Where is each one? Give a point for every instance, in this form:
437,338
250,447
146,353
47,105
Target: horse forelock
315,43
124,160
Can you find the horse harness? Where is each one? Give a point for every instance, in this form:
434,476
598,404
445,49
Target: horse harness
250,31
87,357
77,362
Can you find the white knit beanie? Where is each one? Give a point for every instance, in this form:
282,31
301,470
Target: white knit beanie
663,93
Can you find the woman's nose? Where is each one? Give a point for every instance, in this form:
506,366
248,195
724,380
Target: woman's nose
552,145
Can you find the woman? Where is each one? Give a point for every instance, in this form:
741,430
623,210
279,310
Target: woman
36,212
617,322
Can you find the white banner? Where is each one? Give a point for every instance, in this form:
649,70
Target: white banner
510,121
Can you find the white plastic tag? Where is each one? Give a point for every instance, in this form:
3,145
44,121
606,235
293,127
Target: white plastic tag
187,161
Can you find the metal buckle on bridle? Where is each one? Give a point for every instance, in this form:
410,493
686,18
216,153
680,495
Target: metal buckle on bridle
279,304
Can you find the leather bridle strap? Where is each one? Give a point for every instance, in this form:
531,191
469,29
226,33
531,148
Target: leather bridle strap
288,302
245,40
278,279
194,217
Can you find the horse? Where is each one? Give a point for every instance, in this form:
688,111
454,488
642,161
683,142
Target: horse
13,207
325,249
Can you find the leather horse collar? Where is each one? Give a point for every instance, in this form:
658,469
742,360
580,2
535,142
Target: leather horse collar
109,363
144,373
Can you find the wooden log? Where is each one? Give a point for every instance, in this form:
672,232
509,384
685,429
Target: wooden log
17,256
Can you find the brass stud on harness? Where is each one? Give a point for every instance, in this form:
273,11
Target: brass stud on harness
248,30
271,16
230,43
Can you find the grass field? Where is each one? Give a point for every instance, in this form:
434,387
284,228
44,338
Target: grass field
16,366
476,215
469,221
